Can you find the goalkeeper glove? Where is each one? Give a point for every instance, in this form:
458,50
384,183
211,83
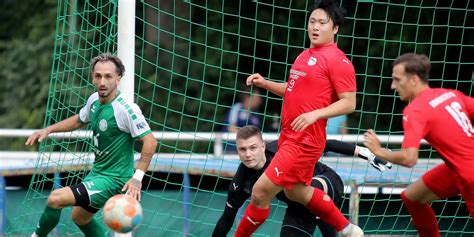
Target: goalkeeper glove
376,162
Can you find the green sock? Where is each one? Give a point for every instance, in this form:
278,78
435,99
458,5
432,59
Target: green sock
93,229
48,220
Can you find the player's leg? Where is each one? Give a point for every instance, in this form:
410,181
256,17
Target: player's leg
298,220
86,223
257,211
467,192
91,195
437,183
320,204
331,183
416,199
57,200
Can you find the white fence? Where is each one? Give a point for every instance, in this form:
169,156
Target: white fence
358,175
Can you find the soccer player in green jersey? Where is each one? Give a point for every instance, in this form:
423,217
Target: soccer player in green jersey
116,123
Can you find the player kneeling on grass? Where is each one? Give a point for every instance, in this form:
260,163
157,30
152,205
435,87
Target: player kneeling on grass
116,124
255,157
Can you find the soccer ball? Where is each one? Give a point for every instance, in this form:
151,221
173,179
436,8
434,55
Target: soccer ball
122,213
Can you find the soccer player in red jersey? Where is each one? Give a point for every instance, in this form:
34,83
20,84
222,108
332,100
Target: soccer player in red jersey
443,118
321,84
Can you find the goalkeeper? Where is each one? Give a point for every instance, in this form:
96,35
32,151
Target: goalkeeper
255,157
116,124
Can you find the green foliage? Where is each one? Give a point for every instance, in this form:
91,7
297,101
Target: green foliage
26,48
25,62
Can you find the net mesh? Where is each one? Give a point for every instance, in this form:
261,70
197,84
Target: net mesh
192,58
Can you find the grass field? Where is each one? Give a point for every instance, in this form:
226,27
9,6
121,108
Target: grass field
169,213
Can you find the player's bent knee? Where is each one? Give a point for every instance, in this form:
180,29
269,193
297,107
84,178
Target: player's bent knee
80,218
258,197
59,198
261,197
54,200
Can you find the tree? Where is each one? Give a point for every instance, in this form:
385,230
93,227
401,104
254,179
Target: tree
26,49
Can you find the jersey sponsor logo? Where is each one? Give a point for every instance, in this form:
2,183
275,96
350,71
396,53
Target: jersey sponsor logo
291,84
96,149
345,60
294,75
312,61
79,192
297,73
235,186
253,222
405,118
442,98
103,125
278,172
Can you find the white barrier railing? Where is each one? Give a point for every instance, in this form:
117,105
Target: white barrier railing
217,137
13,157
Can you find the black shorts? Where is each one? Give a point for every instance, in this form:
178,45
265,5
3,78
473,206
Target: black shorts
82,197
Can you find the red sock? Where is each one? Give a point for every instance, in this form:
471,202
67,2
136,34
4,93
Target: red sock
322,205
253,218
422,217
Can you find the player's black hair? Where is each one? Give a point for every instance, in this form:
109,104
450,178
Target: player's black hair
415,64
108,57
334,12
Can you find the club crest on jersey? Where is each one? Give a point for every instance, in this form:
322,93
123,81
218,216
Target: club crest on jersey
312,61
103,125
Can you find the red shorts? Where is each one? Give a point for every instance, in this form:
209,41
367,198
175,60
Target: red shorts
445,183
293,163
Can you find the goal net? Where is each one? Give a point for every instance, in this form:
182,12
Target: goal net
191,60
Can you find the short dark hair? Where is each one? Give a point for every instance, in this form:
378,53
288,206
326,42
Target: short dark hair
334,12
415,64
108,57
248,131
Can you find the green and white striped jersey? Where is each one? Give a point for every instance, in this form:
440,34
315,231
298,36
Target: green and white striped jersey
115,127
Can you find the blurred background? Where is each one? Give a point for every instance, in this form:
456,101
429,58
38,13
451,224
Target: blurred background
191,58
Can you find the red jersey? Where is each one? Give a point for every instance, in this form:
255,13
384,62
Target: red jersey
317,76
442,117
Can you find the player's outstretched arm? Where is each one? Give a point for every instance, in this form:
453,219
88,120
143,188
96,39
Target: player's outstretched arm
236,197
343,148
406,157
67,125
275,87
226,221
357,151
134,185
376,162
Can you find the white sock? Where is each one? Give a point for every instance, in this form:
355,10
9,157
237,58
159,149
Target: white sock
346,229
34,234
